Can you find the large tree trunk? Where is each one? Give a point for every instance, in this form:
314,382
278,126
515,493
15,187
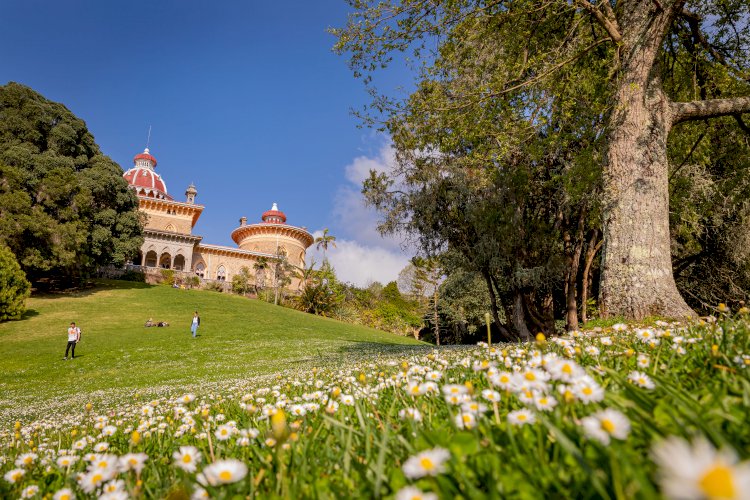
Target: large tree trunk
637,278
504,332
517,316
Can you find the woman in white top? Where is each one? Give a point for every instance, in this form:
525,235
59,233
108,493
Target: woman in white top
195,324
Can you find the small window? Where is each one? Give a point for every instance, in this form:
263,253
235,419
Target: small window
221,274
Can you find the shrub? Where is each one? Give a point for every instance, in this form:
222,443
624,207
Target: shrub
167,276
214,286
137,276
14,287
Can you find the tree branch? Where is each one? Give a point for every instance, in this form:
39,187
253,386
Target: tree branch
711,108
609,24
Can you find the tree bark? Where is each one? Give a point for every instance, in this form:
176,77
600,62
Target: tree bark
637,278
573,251
591,251
517,316
504,332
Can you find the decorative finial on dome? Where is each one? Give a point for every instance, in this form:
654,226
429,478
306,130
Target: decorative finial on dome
145,151
275,207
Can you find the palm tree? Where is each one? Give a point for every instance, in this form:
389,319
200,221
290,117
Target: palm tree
323,242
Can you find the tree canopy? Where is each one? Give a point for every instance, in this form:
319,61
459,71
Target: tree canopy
539,127
64,207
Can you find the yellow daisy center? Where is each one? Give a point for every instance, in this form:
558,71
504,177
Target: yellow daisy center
467,418
587,391
187,459
530,376
521,417
96,478
608,426
225,475
65,497
567,369
718,483
426,463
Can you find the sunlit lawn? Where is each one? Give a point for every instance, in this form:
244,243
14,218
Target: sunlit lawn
238,338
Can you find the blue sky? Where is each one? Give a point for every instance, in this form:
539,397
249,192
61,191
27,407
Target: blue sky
245,99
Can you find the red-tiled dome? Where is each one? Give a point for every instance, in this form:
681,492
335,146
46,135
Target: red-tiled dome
144,156
274,216
144,180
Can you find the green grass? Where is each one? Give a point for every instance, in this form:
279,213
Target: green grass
238,338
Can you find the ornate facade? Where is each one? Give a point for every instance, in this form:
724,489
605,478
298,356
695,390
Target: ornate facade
170,243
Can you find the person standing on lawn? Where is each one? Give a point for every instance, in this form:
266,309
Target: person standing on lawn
74,335
195,324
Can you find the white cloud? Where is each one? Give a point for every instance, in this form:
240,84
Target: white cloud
362,255
362,264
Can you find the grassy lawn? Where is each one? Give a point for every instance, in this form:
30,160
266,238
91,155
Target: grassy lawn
238,338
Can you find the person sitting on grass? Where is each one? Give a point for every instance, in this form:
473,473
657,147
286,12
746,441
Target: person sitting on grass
162,323
74,335
149,323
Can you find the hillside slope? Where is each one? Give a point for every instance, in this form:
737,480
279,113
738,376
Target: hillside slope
238,338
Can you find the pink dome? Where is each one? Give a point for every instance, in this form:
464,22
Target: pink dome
274,216
144,180
144,156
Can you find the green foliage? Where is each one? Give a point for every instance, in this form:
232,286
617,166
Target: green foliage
66,208
214,286
167,276
321,291
14,287
242,282
500,149
131,275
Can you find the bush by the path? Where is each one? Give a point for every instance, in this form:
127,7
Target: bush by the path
629,413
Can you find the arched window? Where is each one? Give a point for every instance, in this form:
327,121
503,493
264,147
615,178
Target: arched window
151,258
179,262
165,261
200,270
169,227
221,274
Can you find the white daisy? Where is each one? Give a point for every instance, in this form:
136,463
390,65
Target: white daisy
133,461
30,491
225,472
14,475
700,471
64,494
521,417
491,396
426,463
411,414
224,432
606,424
641,380
26,459
187,458
414,493
465,420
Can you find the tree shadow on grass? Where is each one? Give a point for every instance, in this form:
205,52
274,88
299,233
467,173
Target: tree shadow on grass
85,289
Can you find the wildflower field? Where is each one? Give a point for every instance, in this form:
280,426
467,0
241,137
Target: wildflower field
626,413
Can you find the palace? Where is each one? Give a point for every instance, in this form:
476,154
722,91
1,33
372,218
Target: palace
169,242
